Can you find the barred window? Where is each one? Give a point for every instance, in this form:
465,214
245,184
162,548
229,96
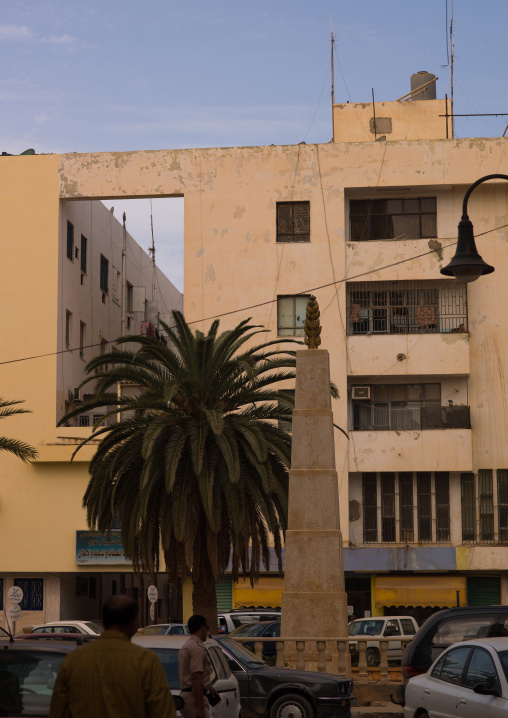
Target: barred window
486,504
502,500
406,307
33,593
372,219
84,243
104,274
293,221
70,241
468,507
394,517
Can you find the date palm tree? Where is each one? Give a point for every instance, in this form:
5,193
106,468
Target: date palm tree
193,465
23,451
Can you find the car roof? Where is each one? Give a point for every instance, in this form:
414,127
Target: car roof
499,643
380,618
44,646
64,623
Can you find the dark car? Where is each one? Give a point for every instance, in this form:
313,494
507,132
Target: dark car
77,638
27,675
444,628
281,692
262,629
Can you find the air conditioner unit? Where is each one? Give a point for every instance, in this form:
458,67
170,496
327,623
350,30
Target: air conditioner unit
75,395
361,392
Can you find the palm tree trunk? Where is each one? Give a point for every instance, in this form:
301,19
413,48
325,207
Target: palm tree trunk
204,597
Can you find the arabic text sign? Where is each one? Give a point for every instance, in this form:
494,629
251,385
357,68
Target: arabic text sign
93,547
14,612
15,594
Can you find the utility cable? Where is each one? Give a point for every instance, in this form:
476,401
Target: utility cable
271,301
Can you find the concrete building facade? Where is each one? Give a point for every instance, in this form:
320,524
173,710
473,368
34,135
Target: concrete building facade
420,361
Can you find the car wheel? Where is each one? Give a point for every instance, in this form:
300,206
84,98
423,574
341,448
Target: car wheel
291,705
372,656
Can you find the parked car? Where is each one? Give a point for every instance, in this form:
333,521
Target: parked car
164,629
91,627
468,680
263,629
444,628
223,680
233,619
282,692
401,627
78,638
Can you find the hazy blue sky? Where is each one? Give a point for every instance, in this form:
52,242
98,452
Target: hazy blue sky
100,76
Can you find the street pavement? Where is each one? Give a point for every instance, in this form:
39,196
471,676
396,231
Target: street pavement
380,710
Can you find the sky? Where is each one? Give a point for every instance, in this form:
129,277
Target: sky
166,74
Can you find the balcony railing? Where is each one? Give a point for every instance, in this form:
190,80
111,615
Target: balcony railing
408,416
332,655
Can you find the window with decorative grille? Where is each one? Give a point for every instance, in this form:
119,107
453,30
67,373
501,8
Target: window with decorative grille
293,221
398,218
33,593
484,504
391,516
406,307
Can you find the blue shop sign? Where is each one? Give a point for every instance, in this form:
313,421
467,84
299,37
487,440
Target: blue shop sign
93,547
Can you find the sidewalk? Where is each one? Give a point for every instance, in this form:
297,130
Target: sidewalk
381,710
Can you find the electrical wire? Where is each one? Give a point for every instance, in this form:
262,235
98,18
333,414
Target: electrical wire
271,301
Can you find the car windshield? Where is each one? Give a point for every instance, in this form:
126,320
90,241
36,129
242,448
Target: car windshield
157,630
95,627
242,655
26,681
249,629
365,628
169,660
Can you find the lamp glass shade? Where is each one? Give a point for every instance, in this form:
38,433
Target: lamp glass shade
466,265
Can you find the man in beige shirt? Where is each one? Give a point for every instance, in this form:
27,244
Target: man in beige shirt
194,671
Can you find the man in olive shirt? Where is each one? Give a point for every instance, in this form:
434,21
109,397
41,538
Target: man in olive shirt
194,671
111,677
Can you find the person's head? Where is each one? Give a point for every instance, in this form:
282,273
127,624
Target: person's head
197,626
120,613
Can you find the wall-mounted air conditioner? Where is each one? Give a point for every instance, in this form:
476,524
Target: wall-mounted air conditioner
75,396
360,392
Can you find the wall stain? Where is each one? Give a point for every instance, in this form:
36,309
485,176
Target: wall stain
210,273
435,245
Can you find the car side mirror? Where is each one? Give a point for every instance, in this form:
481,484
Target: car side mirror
487,688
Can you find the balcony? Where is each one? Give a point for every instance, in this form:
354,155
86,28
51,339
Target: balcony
422,450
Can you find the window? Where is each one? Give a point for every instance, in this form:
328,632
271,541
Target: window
395,407
291,312
84,420
293,221
286,425
68,328
130,298
104,274
502,500
407,627
391,516
70,241
484,500
413,218
468,507
33,590
1,594
84,242
486,504
82,332
454,663
481,669
423,307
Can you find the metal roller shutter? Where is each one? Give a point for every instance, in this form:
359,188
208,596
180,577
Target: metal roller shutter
224,591
483,590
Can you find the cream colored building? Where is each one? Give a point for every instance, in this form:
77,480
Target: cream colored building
365,223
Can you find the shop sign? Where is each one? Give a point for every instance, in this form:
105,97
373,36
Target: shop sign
93,547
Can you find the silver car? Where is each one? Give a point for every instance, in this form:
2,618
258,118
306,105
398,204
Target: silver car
224,682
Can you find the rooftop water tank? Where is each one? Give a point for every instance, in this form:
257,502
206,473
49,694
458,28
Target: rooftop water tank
419,79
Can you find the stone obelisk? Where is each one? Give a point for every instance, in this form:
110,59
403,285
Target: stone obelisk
314,602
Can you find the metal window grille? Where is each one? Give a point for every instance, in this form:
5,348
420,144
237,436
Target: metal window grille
442,494
406,506
293,221
70,241
84,420
388,507
84,243
400,407
468,507
286,425
424,307
424,505
291,312
502,500
397,218
486,505
104,274
1,594
369,482
33,593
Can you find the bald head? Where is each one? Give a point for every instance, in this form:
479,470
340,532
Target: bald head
120,613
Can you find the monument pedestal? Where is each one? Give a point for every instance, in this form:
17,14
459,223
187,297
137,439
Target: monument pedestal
314,602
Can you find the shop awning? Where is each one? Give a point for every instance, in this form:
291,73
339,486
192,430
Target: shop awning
267,592
421,590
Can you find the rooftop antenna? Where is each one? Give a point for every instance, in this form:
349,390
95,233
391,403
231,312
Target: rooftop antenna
333,83
152,255
451,71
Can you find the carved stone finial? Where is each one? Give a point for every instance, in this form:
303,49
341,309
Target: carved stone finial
312,325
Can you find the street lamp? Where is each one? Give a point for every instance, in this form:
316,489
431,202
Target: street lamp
467,265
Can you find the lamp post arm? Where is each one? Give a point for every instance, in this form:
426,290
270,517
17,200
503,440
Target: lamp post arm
474,186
